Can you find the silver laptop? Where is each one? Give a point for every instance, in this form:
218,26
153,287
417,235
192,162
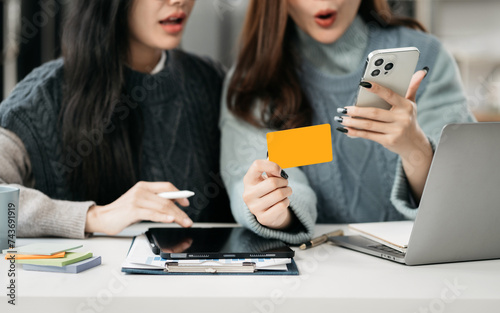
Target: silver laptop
459,214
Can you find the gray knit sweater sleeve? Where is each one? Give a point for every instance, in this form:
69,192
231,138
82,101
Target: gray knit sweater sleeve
241,145
38,214
442,102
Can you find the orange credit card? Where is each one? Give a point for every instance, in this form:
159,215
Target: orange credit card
300,146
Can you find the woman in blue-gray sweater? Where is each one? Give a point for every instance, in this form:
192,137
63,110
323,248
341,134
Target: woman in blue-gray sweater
93,137
300,64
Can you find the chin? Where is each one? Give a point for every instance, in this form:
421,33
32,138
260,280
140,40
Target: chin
169,44
326,38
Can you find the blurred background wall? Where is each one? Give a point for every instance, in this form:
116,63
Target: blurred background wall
30,36
470,29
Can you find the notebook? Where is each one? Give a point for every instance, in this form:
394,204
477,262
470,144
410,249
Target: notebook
392,234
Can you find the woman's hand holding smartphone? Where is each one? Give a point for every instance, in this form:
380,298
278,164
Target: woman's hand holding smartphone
386,111
387,114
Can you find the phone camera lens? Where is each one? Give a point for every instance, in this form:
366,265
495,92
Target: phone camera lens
389,66
379,62
375,72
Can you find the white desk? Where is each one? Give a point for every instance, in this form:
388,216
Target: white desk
332,279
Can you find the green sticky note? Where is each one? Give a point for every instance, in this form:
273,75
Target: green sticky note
43,248
69,258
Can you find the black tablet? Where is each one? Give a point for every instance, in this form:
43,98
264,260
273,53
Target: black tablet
216,243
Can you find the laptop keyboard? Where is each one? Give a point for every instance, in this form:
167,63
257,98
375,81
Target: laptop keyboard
387,249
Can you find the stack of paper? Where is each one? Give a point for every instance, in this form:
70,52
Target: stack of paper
53,257
392,234
140,256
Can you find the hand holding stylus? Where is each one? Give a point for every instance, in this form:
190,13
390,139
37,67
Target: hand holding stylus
139,203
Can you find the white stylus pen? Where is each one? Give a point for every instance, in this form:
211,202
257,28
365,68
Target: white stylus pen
176,194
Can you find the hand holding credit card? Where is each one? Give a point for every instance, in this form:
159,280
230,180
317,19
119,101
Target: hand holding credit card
267,196
300,146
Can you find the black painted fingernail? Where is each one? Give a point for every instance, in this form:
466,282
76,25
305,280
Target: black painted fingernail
342,110
426,69
366,85
338,119
342,130
284,174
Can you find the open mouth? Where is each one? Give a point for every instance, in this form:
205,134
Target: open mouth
325,18
174,23
173,20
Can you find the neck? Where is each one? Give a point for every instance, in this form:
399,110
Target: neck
143,59
340,57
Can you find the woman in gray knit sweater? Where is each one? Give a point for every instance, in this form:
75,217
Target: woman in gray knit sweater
93,137
300,64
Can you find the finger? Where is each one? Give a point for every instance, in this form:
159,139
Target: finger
149,201
416,79
366,124
276,214
278,195
371,113
153,216
183,202
359,133
166,207
254,173
385,93
267,186
159,187
180,217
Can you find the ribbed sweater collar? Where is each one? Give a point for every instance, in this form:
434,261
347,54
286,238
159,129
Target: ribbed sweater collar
147,88
313,76
340,57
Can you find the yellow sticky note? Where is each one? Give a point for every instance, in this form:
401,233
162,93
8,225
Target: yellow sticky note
300,146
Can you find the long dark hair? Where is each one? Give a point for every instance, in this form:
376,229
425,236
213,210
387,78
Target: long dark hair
266,65
103,141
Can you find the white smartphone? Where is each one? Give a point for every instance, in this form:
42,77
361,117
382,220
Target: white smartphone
391,68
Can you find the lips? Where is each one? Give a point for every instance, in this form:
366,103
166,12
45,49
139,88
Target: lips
174,23
325,18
